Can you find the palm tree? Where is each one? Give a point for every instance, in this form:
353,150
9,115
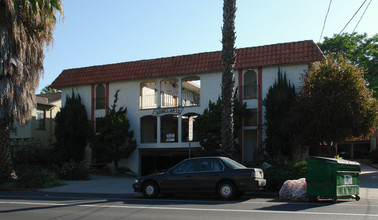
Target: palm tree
26,26
48,89
228,81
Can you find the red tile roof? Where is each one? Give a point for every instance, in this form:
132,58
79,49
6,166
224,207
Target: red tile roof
269,55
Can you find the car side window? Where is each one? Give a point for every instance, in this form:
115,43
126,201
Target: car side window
209,165
184,167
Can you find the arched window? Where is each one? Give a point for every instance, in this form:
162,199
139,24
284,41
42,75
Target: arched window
250,85
148,95
168,126
100,97
148,131
185,127
191,90
169,93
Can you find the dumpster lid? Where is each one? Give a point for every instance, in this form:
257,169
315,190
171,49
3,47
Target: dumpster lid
334,160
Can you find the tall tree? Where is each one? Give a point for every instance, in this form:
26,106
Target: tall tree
278,102
228,80
209,125
26,26
358,48
333,105
113,140
71,130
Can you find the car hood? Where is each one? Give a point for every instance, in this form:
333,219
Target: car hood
154,176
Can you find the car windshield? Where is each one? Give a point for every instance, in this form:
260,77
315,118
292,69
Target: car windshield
233,164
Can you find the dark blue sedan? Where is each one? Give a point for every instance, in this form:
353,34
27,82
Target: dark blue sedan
221,175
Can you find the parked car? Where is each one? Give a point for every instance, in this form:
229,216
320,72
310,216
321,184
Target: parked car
221,175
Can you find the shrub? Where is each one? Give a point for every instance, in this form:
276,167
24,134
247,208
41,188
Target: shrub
74,171
33,177
373,155
32,154
275,176
298,170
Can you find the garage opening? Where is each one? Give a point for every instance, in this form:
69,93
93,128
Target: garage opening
160,160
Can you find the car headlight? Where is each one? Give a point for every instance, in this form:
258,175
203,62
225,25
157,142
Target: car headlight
136,181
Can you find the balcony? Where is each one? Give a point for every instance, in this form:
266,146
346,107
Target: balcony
148,101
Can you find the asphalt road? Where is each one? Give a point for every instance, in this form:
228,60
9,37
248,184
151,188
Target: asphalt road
65,206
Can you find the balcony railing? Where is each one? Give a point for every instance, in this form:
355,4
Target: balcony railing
148,101
169,100
250,91
190,98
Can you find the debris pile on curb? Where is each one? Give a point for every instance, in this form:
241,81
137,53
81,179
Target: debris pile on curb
294,190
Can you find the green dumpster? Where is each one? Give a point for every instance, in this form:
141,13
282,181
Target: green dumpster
332,178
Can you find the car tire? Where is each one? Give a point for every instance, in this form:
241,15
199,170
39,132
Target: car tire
226,190
150,190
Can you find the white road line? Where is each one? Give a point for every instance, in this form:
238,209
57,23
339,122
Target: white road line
192,202
191,209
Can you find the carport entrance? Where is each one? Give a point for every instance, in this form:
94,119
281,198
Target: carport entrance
153,160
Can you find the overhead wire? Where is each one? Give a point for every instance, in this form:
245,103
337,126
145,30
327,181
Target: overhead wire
361,17
325,19
352,17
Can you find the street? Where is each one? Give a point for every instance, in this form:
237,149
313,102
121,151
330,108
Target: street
33,205
98,199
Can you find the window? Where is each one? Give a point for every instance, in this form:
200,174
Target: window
148,132
209,165
100,97
250,118
191,90
148,95
250,85
185,127
233,164
40,119
13,127
185,167
169,125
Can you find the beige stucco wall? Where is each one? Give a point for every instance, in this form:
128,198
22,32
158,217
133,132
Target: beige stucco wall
28,132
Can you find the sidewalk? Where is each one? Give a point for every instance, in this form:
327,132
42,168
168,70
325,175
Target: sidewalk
98,184
368,182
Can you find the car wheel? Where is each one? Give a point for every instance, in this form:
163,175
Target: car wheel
226,190
150,190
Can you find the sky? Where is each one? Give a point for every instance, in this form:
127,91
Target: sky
98,32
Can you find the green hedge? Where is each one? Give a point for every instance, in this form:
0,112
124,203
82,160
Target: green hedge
74,171
276,175
34,177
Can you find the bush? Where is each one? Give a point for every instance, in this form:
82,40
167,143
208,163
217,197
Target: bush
373,155
276,175
33,177
74,171
32,154
298,170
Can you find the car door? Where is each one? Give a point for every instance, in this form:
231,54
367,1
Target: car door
180,178
207,174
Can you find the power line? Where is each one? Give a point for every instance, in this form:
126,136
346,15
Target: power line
362,16
352,17
325,19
